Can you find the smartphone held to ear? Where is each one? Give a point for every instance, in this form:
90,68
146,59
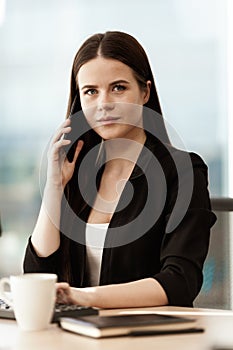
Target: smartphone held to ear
75,134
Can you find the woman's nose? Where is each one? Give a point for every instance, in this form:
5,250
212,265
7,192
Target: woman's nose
105,103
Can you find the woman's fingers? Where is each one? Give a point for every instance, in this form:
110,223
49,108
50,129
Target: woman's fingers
62,285
58,140
60,170
62,293
67,294
63,129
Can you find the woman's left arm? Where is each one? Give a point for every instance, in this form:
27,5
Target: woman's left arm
141,293
184,249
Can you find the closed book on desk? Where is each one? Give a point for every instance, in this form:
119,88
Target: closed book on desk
106,326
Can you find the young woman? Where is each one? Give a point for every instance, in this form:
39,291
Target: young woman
125,221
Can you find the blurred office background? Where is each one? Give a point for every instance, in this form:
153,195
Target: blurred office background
187,42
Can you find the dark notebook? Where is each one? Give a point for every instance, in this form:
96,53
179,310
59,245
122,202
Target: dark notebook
105,326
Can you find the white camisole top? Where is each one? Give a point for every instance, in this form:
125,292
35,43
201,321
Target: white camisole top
95,237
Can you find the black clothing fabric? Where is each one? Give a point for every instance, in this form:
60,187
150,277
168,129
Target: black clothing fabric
160,229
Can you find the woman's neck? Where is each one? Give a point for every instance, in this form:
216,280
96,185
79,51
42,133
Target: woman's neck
123,152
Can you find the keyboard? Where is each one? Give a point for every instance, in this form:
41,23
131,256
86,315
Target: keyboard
61,310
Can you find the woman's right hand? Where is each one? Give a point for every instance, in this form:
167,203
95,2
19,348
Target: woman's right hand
60,170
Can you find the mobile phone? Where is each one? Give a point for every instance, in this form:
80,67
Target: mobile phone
74,134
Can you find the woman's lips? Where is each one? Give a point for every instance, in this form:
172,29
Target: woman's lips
107,120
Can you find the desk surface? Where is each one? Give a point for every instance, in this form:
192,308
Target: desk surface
218,327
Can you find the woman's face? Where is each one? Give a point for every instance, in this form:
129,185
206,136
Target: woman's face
111,98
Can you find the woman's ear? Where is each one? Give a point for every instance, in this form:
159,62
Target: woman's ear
147,92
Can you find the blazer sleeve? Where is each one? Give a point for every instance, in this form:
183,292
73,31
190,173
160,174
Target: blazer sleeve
34,263
184,249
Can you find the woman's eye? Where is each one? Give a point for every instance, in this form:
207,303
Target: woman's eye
90,92
119,88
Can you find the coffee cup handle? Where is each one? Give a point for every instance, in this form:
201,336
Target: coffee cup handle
3,282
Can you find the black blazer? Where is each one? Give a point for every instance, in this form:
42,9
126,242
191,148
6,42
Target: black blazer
160,228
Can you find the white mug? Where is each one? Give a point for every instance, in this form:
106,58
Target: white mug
33,298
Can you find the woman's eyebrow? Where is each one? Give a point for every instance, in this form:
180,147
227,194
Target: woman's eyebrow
119,81
89,87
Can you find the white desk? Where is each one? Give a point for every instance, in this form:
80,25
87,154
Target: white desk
218,331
